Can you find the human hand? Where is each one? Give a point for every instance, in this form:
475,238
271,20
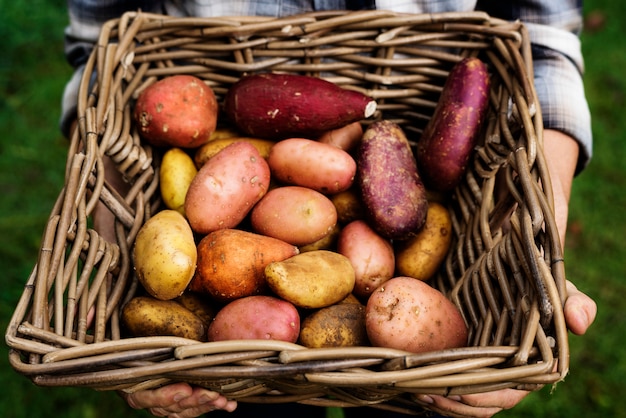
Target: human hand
178,400
579,311
561,153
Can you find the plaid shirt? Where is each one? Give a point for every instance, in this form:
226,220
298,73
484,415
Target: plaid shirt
553,25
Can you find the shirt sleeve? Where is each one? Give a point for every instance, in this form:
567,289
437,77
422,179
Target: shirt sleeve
86,18
554,27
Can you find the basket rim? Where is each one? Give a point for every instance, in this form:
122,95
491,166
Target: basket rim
102,121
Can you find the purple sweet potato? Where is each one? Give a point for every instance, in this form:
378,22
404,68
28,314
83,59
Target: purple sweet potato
391,189
279,106
450,136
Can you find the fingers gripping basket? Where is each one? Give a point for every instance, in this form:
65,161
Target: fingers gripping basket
505,269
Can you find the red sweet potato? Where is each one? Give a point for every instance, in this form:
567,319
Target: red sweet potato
447,142
392,192
278,106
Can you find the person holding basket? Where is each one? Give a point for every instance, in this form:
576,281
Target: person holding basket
553,26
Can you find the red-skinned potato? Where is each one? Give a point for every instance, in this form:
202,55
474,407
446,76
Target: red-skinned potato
347,137
449,138
391,189
312,164
226,188
256,317
294,214
408,314
231,263
371,255
179,110
279,106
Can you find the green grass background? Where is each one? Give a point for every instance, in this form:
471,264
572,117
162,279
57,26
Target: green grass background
32,156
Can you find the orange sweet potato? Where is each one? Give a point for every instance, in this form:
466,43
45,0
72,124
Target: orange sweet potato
231,263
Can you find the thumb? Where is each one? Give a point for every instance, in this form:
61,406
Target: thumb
579,310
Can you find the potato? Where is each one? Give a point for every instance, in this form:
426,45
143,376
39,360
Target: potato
448,140
256,317
314,279
326,243
294,214
347,137
278,106
144,316
312,164
200,305
350,299
226,188
165,255
212,147
349,206
371,256
231,263
408,314
176,173
224,132
179,110
341,325
391,189
421,256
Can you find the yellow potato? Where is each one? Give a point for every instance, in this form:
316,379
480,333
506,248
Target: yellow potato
421,255
165,254
341,325
349,206
145,316
175,175
224,132
326,243
208,150
351,298
198,304
313,279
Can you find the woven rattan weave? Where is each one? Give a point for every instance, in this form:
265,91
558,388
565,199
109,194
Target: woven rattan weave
505,269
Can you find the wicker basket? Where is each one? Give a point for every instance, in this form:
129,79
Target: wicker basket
505,270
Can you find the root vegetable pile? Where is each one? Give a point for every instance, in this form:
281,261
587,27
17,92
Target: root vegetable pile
299,215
